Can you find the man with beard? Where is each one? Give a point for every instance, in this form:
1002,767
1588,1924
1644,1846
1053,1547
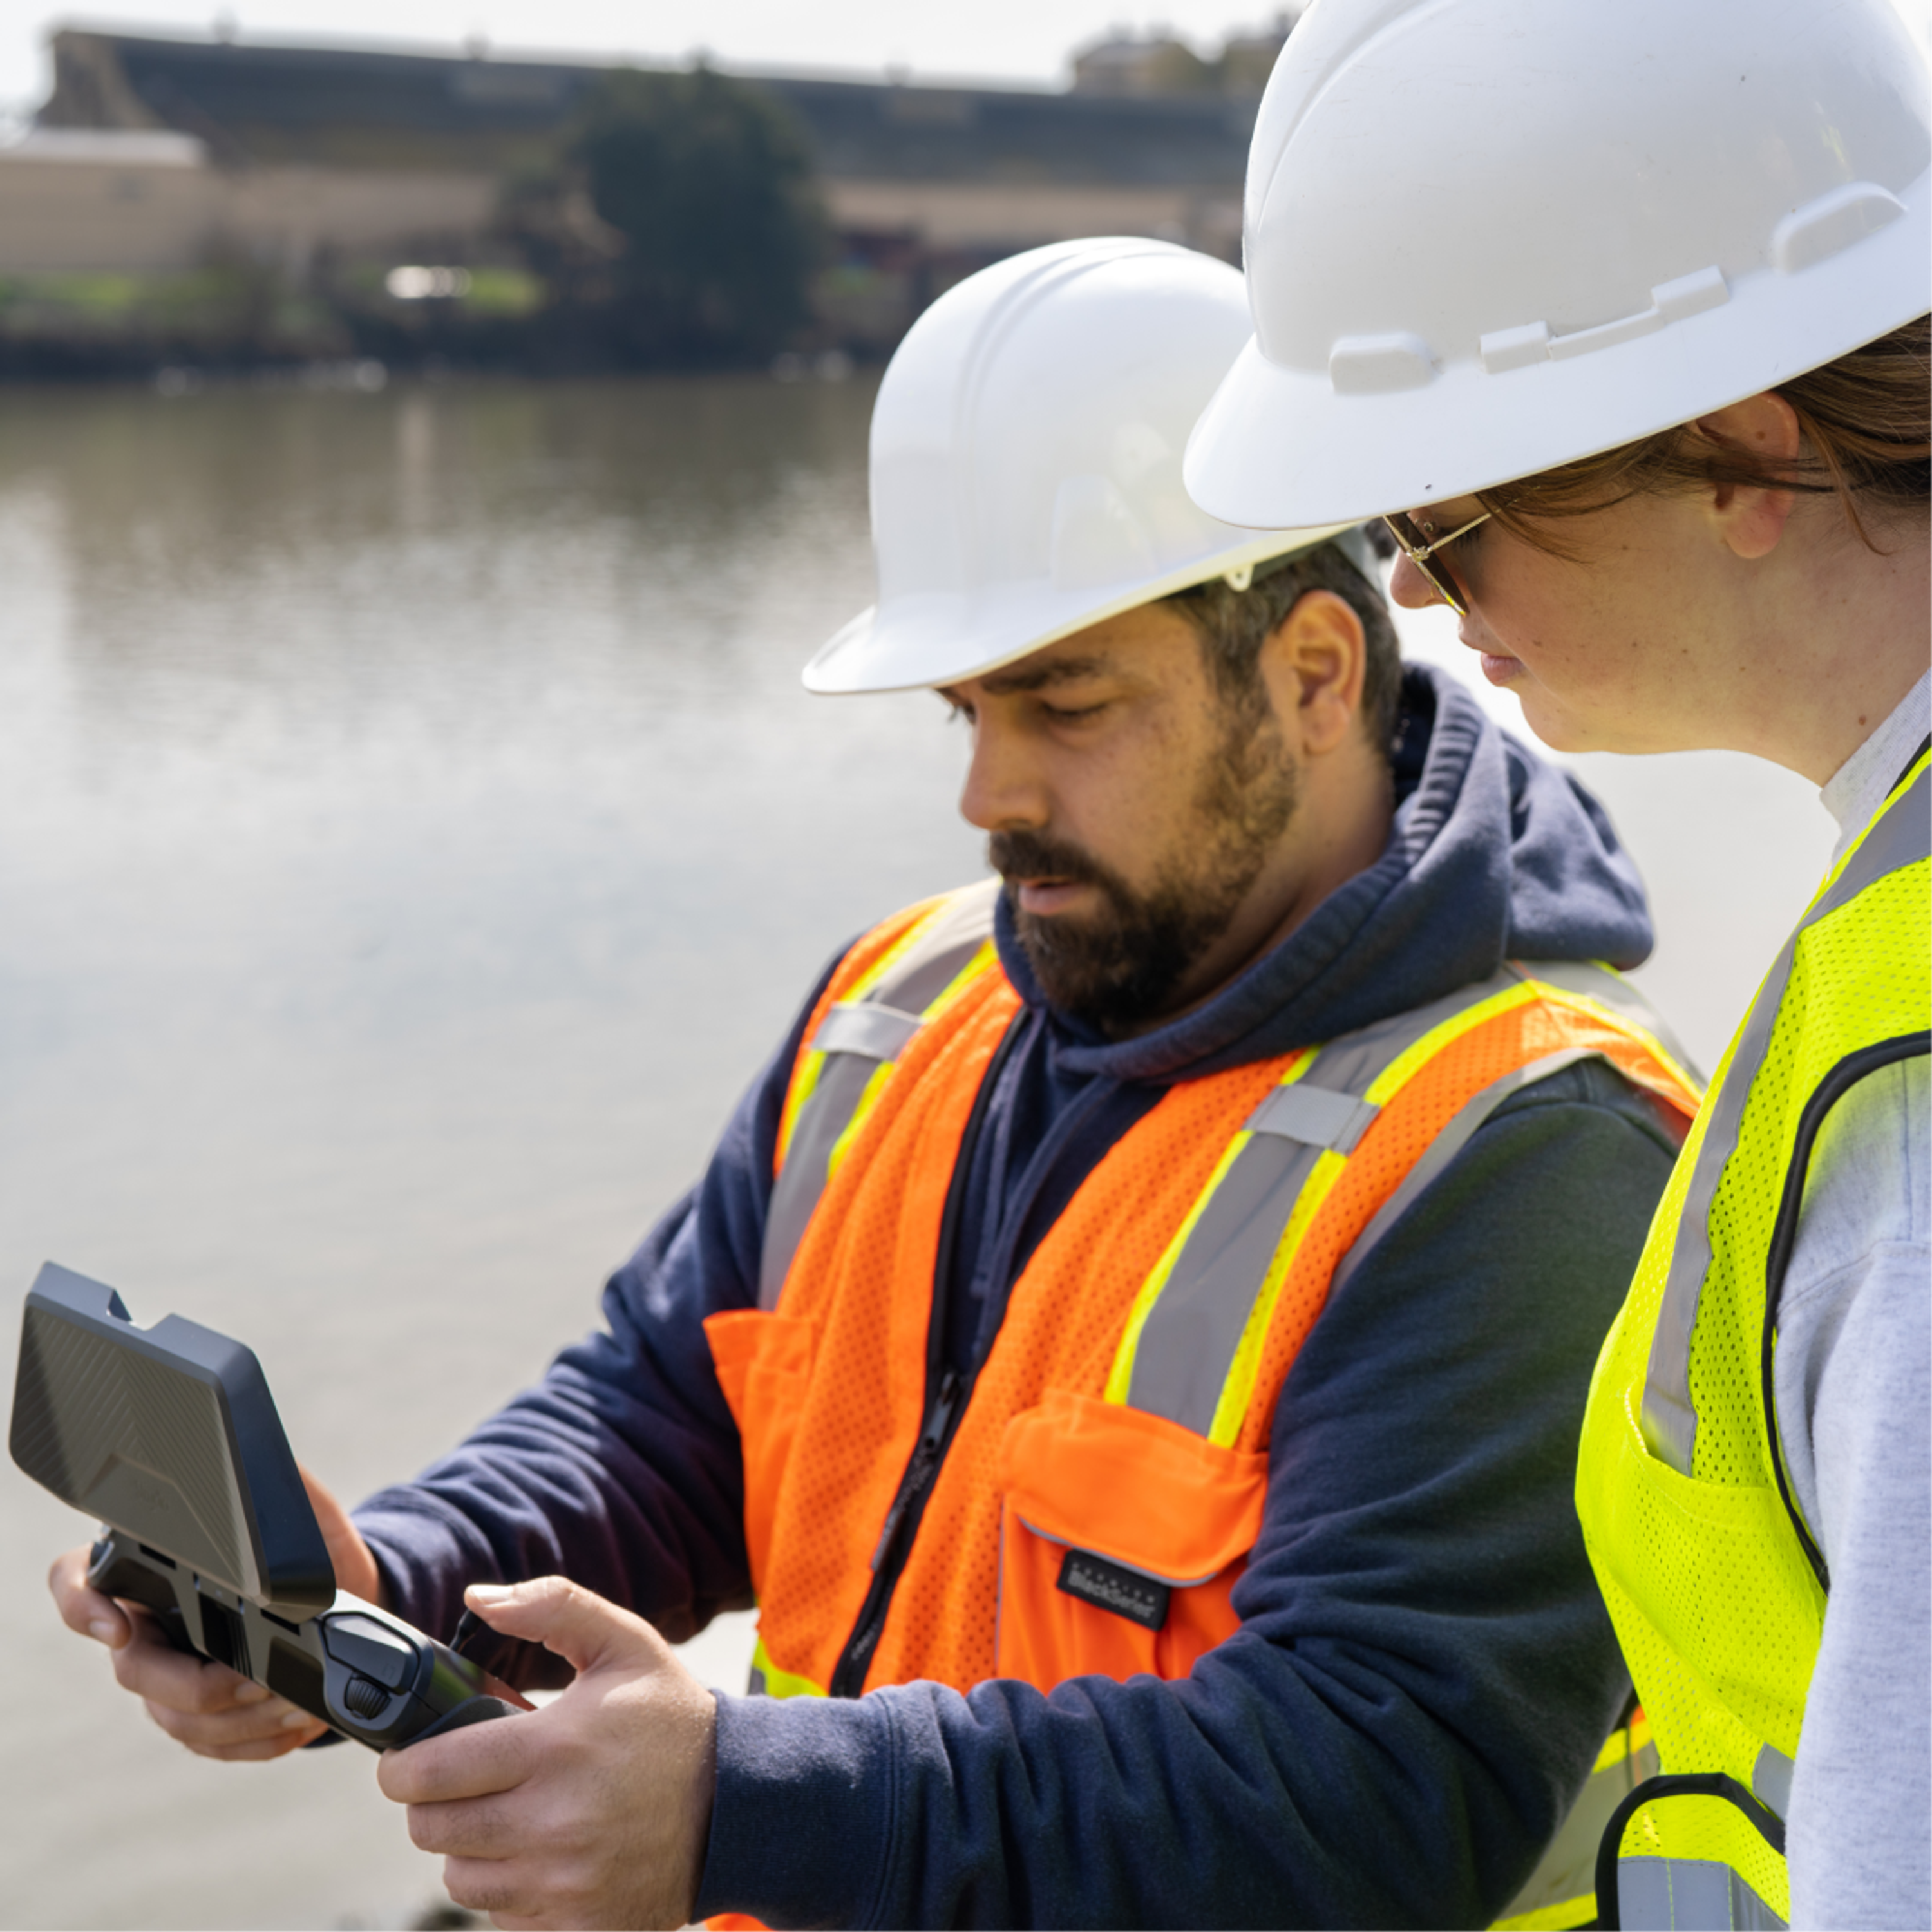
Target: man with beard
1131,1340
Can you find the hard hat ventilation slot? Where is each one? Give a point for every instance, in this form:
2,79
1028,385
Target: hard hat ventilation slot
1506,348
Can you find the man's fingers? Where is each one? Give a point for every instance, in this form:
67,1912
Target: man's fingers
351,1558
266,1729
475,1762
485,1885
151,1668
261,1753
469,1828
83,1609
585,1630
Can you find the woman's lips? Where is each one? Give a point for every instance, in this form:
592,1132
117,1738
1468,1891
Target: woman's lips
1498,668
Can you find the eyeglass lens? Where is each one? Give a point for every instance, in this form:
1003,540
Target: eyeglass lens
1414,544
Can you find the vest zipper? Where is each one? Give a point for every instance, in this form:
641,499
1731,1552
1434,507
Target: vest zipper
895,1539
950,1392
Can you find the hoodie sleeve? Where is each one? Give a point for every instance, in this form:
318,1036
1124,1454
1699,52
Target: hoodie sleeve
621,1468
1424,1671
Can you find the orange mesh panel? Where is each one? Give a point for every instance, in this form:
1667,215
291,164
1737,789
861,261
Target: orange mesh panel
863,1278
1398,1139
764,1367
1064,1320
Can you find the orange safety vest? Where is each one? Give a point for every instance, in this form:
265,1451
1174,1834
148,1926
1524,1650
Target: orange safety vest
1085,1503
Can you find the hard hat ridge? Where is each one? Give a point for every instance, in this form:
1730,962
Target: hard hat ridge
1025,460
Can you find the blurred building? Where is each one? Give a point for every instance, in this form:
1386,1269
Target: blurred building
151,152
1141,65
121,199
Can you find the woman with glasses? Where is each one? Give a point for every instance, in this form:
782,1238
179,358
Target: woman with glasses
1617,314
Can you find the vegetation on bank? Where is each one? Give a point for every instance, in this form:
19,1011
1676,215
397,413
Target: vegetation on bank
675,223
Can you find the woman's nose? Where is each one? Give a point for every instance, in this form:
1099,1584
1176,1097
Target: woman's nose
1410,589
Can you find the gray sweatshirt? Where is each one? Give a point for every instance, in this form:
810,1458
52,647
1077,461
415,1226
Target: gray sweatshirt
1854,1388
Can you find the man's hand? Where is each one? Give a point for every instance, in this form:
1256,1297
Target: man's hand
208,1707
592,1812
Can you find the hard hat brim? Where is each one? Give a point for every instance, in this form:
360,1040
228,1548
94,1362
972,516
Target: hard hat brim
942,638
1278,447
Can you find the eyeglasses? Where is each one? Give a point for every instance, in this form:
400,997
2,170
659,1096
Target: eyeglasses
1419,551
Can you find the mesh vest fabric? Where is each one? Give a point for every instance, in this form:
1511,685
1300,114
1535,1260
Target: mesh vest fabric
1719,1609
829,1386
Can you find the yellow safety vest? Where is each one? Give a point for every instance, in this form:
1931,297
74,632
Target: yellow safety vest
1715,1581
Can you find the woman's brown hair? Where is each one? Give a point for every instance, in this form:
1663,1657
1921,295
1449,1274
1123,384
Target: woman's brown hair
1866,439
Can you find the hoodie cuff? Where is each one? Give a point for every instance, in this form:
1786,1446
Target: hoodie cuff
802,1821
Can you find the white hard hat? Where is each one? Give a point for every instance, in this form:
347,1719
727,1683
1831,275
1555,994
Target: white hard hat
1487,237
1026,460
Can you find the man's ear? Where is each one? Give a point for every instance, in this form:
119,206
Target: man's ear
1313,663
1750,518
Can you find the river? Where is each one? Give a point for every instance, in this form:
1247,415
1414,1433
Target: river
412,837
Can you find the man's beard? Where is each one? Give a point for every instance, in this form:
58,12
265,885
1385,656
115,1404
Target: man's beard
1121,967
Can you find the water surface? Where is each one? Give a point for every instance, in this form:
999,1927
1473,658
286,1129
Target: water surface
412,837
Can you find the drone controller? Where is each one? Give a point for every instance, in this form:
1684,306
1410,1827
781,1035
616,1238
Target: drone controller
169,1436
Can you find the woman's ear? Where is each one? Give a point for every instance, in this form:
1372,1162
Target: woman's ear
1313,663
1751,517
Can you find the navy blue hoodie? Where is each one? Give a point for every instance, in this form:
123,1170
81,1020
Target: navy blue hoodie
1423,1672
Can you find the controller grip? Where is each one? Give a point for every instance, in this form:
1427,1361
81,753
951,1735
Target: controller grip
477,1710
110,1571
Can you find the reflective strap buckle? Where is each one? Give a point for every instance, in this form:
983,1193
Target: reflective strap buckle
1315,1116
872,1031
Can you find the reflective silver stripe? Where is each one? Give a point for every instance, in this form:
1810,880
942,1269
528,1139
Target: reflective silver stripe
857,1037
1568,1869
1445,1147
826,1113
1314,1116
875,1033
1770,1780
1688,1895
1188,1343
1901,838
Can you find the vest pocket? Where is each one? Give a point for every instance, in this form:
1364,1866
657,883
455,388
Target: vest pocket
764,1366
1121,1535
1676,1544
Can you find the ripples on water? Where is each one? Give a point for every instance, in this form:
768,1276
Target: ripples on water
412,836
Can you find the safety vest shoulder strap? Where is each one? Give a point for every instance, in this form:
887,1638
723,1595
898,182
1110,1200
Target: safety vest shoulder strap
1899,837
878,1000
1193,1343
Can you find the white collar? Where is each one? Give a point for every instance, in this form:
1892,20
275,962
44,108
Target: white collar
1865,781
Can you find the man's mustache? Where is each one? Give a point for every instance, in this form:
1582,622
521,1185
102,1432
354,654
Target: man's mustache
1029,855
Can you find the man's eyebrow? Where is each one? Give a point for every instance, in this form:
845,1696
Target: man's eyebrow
1060,670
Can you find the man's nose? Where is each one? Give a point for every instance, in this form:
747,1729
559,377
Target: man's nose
1004,791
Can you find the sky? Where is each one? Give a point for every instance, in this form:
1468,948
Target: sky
1021,40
